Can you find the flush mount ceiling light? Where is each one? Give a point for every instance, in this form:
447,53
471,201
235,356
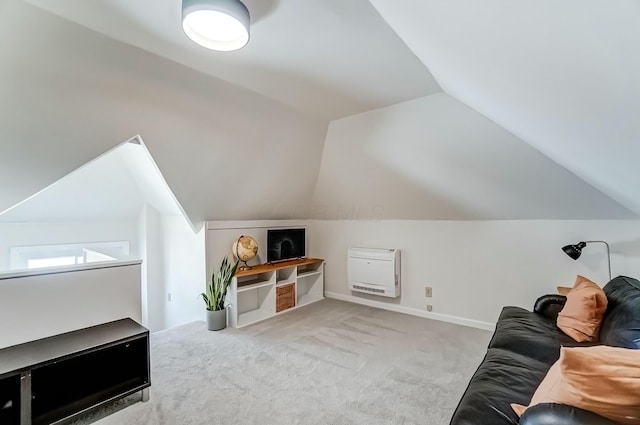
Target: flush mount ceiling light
216,24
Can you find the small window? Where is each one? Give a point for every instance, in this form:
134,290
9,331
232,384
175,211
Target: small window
34,257
36,263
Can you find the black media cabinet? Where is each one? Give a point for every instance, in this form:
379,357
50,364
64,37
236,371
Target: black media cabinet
51,380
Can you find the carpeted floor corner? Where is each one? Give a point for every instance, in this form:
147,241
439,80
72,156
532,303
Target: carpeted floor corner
332,362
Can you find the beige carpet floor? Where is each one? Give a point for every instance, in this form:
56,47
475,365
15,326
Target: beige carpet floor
332,362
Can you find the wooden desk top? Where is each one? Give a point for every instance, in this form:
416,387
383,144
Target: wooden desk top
279,265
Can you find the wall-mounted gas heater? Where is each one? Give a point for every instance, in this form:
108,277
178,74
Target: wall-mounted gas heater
374,271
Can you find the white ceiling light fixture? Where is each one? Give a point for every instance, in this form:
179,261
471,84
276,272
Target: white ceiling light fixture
216,24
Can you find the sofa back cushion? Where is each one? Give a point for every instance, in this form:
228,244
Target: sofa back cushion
582,313
621,323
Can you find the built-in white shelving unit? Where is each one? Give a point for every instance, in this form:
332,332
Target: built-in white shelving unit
252,296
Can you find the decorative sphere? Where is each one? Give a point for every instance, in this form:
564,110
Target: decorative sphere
245,248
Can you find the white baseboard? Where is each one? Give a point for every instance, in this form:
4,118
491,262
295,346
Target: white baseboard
413,311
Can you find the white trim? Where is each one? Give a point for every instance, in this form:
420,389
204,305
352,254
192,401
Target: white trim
67,269
487,326
255,224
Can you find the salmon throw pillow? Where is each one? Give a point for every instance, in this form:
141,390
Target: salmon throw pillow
602,379
582,313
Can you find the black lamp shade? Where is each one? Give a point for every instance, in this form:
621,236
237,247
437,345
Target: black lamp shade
574,251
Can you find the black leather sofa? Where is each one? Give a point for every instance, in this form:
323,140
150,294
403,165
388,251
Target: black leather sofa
523,348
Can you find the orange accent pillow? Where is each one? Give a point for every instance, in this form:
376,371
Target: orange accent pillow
582,313
602,379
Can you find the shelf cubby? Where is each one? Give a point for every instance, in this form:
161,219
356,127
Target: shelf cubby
309,273
248,280
310,286
253,316
310,268
254,285
285,276
255,304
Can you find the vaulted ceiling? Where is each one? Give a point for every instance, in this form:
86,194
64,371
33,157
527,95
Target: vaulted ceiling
553,86
328,58
563,76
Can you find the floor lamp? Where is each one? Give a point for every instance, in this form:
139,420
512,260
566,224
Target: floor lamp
574,251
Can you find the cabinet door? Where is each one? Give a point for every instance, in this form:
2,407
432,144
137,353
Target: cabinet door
63,388
10,400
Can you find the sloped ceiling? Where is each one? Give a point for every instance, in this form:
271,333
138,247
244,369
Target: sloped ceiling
564,76
549,130
435,158
113,186
328,58
101,190
68,94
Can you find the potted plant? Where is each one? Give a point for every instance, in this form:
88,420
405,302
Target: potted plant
216,293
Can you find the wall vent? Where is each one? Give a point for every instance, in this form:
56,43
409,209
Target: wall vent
365,289
374,271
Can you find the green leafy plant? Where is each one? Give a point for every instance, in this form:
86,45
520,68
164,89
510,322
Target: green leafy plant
217,287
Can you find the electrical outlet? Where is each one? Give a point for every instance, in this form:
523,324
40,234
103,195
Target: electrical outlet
429,307
428,291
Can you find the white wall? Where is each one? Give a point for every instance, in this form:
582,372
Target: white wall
434,158
173,269
141,227
184,271
477,267
153,259
28,234
221,235
40,305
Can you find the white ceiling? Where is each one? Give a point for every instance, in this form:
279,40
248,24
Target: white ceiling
564,76
329,58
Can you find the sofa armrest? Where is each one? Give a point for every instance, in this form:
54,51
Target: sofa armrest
561,414
549,305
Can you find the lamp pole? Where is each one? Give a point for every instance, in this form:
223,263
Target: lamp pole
608,254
